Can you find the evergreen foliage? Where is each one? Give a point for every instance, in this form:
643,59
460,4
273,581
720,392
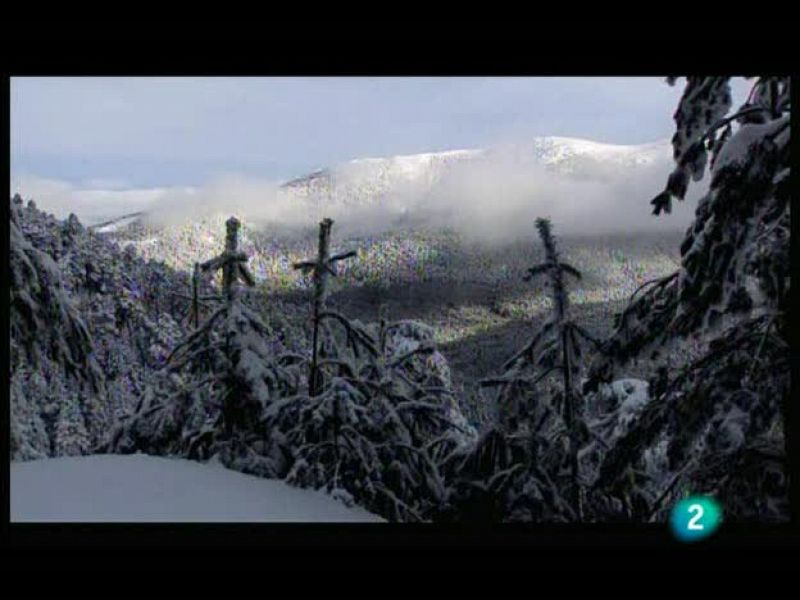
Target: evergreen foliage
54,374
719,419
216,384
379,413
526,465
112,353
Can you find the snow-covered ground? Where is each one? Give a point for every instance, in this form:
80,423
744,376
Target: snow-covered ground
141,488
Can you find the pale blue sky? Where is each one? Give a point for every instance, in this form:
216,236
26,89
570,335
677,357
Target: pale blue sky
144,132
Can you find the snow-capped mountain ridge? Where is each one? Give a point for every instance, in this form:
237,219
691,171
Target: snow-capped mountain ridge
366,180
554,149
548,150
362,181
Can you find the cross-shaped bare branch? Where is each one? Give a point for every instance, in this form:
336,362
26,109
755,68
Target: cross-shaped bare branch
231,261
320,269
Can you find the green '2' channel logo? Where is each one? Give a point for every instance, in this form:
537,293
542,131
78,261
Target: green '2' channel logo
695,518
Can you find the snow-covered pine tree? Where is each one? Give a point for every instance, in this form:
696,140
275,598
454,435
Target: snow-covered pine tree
381,424
379,414
720,419
320,268
525,445
127,342
48,335
563,349
43,320
217,383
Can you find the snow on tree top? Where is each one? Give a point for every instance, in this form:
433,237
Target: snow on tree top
738,148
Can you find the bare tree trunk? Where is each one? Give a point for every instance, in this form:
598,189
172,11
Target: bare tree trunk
555,270
320,281
569,405
195,302
571,422
231,246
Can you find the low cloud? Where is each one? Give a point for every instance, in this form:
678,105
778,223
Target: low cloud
491,197
92,203
497,199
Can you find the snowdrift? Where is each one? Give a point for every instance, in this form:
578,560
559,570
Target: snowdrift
141,488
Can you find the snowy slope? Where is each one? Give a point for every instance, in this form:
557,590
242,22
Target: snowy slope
579,183
116,224
140,488
365,180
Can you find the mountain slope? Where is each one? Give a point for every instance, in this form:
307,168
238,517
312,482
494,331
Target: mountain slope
487,194
367,179
124,317
362,181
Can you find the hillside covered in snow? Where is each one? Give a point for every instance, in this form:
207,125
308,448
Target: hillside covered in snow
379,194
492,335
369,179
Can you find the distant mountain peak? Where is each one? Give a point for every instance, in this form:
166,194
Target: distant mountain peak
365,180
